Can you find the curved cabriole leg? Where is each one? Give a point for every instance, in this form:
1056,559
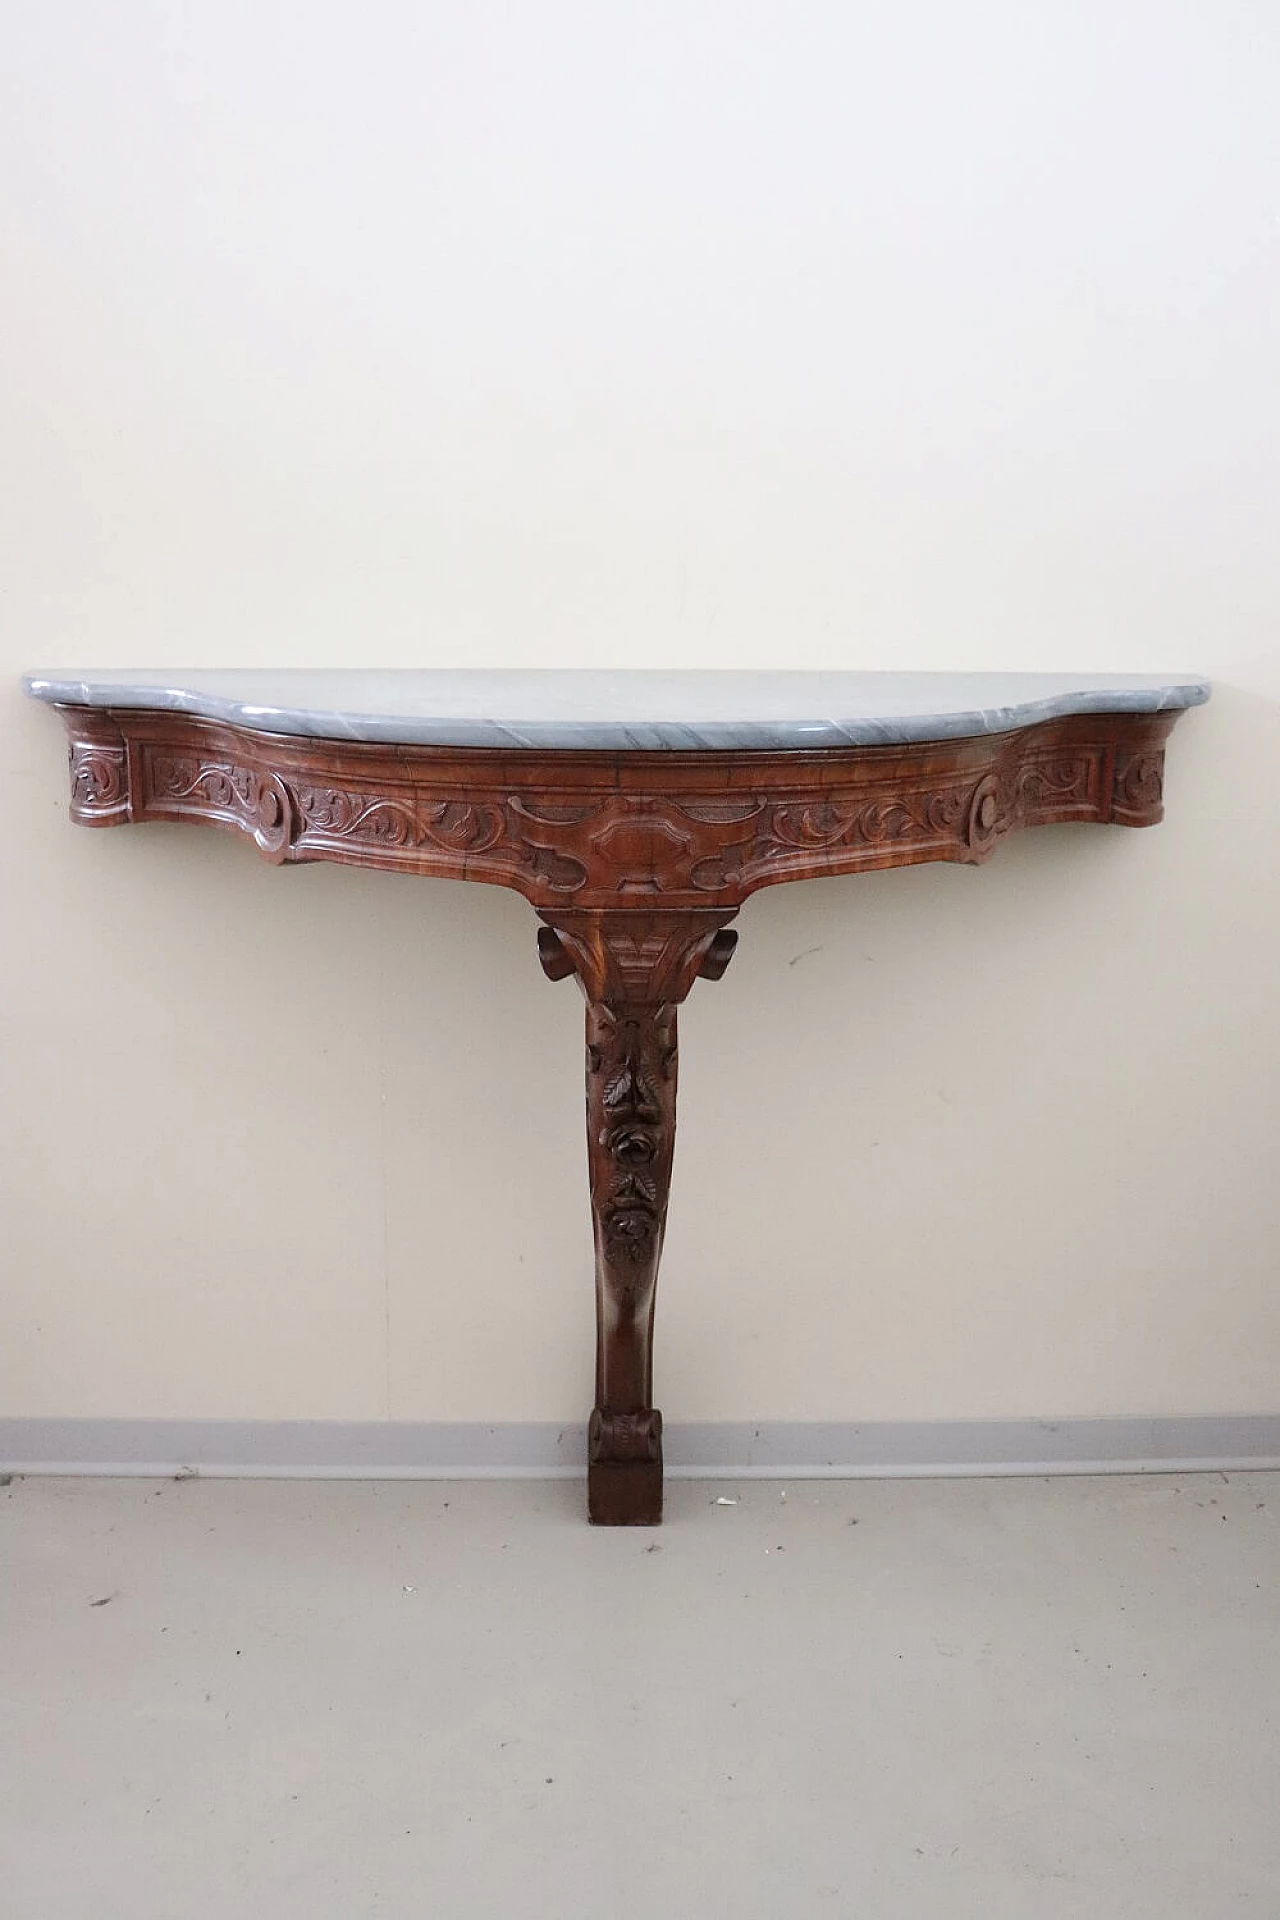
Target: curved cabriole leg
634,970
631,1132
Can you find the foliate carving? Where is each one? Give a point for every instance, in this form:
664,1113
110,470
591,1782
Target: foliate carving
354,816
425,831
595,831
1058,784
1020,791
226,791
452,825
633,1115
636,862
631,1120
494,838
846,830
958,818
633,967
871,822
836,832
99,781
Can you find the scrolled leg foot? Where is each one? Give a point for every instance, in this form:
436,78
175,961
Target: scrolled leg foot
624,1468
634,969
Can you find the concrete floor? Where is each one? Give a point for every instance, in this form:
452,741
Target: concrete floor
901,1700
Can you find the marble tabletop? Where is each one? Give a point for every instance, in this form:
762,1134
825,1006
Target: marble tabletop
619,710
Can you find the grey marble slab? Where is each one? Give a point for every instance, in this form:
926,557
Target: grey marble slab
639,710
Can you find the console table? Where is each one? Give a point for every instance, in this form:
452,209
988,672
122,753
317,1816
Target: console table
636,812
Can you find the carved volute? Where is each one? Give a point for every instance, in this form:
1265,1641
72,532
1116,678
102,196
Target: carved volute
636,861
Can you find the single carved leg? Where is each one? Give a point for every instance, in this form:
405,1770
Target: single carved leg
631,1133
634,969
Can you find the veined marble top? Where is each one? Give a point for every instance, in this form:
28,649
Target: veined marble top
641,710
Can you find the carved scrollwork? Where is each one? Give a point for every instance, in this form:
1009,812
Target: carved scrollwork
1138,788
990,814
462,826
455,826
274,819
99,781
624,1436
496,838
1014,793
630,956
223,790
1059,783
635,863
630,832
874,822
633,967
959,820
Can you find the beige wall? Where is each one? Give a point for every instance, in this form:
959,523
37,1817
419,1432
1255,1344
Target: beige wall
817,335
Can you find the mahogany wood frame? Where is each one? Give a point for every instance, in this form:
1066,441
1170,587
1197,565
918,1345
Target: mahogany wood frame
636,862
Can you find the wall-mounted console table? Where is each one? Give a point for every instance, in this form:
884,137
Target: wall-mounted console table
636,812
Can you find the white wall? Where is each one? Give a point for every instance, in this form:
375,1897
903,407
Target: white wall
826,334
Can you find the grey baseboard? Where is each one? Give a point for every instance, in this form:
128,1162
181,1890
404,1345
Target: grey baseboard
447,1450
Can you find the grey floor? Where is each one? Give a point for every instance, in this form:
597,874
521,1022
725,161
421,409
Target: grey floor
1001,1699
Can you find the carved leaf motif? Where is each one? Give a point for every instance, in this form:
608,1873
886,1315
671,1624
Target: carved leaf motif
636,1190
98,775
812,826
458,824
872,823
628,1095
944,811
1001,800
597,833
630,1134
386,824
261,801
885,820
1055,780
222,785
358,816
327,808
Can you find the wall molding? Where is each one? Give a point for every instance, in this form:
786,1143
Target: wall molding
449,1450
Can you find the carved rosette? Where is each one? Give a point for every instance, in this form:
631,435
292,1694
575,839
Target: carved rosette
636,863
631,1108
633,967
631,1124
